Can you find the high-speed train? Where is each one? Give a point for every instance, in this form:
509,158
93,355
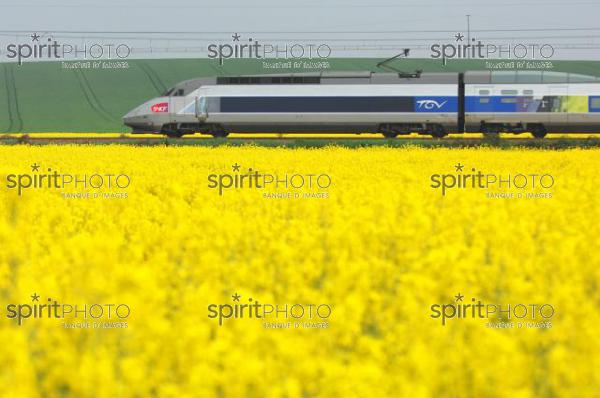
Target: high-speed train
365,102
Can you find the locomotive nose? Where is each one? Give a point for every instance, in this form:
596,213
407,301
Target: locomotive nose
139,119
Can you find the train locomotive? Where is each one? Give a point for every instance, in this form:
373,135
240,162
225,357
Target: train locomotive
434,104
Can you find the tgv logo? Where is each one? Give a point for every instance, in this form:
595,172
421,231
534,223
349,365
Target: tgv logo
430,104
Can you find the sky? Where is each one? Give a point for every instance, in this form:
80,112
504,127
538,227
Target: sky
378,28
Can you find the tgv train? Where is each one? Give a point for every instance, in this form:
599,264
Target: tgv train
365,102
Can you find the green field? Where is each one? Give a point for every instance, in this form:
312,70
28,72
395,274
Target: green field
44,97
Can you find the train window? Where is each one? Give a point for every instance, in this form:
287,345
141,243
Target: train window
178,93
531,77
282,80
503,77
484,100
509,100
554,77
269,80
527,92
595,103
576,78
484,92
509,92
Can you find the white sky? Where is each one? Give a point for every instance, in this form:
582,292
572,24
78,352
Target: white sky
352,28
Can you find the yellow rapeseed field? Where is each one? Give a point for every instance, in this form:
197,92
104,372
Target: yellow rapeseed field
377,244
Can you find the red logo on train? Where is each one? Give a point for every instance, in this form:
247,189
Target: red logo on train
160,107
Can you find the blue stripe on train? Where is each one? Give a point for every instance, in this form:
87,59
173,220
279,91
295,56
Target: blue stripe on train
310,104
501,104
419,104
510,104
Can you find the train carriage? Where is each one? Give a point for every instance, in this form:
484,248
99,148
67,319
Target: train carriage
365,102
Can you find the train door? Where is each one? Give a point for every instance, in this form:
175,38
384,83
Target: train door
589,117
558,97
534,105
584,107
201,108
482,104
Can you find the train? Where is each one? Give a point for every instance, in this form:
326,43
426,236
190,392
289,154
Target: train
391,104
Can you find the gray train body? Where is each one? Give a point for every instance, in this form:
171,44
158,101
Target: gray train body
367,102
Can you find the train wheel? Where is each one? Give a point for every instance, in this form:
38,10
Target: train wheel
438,131
175,134
490,132
387,131
538,131
219,133
171,131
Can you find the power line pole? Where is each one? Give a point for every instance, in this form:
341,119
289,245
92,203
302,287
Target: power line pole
469,33
469,28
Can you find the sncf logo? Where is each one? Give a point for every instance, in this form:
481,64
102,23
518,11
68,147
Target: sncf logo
160,107
430,104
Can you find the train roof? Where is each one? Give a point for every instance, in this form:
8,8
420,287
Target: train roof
527,77
350,77
471,77
358,77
